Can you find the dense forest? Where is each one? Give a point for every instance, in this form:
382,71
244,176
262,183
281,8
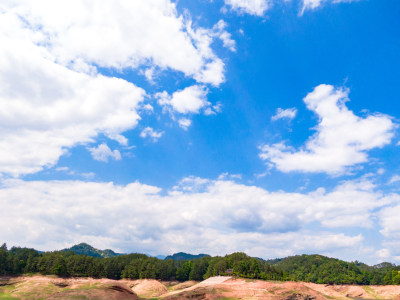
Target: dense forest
312,268
321,269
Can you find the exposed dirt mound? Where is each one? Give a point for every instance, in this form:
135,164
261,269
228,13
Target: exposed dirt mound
218,288
50,287
200,293
182,285
107,291
149,288
299,297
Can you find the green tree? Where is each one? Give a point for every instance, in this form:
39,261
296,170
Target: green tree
182,273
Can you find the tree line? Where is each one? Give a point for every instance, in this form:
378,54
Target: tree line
321,269
133,266
310,268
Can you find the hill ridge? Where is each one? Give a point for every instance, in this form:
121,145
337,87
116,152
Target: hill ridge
86,249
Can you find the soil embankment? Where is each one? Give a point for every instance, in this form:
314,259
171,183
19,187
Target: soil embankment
50,287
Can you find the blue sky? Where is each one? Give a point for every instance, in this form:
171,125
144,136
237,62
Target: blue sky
263,126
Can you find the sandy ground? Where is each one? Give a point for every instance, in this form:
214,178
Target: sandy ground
220,287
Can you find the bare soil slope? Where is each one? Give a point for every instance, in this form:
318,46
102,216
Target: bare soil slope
51,287
228,288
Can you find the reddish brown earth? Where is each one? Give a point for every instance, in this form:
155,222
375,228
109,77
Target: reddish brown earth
50,287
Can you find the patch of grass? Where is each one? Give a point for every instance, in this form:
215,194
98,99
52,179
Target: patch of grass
7,288
287,293
36,291
7,296
88,286
370,291
223,290
31,274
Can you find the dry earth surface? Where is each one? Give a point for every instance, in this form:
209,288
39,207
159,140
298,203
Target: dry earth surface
51,287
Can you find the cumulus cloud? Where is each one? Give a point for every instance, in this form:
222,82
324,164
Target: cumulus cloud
48,108
145,32
341,139
242,217
389,219
102,152
390,227
252,7
189,100
289,113
53,97
150,132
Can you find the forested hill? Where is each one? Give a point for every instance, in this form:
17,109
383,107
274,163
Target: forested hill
322,269
310,268
185,256
86,249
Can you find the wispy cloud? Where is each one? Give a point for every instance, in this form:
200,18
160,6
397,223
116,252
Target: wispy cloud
289,113
313,4
252,7
151,133
184,123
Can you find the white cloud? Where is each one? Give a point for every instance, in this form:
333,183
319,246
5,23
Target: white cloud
313,4
259,7
389,219
150,132
189,100
383,254
48,108
341,140
252,7
394,179
289,113
145,32
52,96
184,123
226,38
227,176
102,152
241,219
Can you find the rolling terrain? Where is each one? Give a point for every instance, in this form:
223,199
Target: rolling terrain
218,287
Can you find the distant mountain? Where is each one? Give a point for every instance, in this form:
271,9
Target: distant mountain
384,265
185,256
273,261
86,249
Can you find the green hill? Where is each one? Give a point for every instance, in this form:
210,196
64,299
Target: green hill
185,256
322,269
86,249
